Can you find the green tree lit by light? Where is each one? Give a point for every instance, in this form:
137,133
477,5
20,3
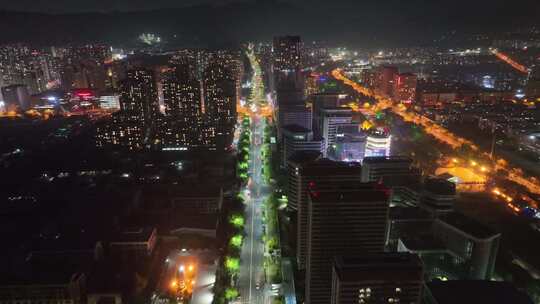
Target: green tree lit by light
243,165
237,221
272,243
231,293
236,241
232,264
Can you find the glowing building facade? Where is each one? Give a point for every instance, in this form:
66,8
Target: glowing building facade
378,144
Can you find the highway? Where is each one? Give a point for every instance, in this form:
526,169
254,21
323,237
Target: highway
507,59
251,278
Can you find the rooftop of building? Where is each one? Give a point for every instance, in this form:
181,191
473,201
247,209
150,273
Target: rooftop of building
438,87
327,167
186,190
133,235
473,292
304,156
295,129
425,243
370,193
104,278
354,137
340,111
468,225
326,94
440,186
72,241
411,180
408,213
294,105
170,221
387,159
390,266
45,268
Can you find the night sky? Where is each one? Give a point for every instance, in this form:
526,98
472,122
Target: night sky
467,7
373,22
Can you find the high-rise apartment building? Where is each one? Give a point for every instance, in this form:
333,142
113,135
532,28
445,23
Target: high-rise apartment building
287,52
405,87
123,130
138,115
138,96
16,98
533,82
182,95
385,81
220,98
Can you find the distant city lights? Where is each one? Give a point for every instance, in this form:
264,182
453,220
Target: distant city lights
149,39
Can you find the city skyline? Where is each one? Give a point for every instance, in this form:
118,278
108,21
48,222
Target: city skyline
270,152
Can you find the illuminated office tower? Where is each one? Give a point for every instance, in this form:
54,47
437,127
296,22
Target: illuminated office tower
350,145
330,120
378,143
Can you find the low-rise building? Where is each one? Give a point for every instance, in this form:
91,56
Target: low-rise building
377,278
